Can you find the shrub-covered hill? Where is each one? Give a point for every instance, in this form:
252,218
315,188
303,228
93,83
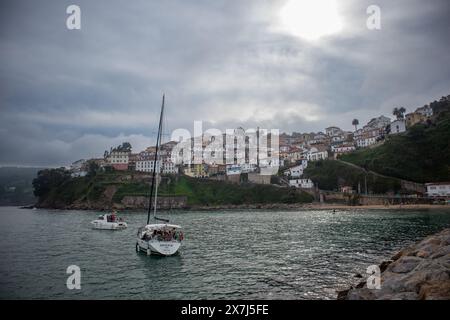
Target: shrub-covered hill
331,175
422,154
56,189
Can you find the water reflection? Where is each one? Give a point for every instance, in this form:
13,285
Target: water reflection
227,254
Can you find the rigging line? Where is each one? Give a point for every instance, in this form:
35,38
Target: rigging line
154,162
158,162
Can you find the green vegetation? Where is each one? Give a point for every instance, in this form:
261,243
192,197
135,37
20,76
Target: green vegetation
55,188
331,175
210,192
422,154
131,189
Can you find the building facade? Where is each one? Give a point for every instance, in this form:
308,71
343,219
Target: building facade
398,126
147,165
119,160
301,183
438,189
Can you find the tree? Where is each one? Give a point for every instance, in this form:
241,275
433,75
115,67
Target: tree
93,167
48,179
399,112
355,122
124,147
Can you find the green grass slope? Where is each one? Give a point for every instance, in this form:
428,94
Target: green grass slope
60,192
331,175
422,154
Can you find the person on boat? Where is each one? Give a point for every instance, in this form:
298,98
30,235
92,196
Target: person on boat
146,237
113,216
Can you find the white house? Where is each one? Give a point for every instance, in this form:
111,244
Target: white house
438,189
304,163
317,152
398,126
318,138
284,148
426,110
301,183
168,167
341,149
378,123
337,138
233,169
368,136
78,168
294,172
248,167
363,143
119,159
333,131
294,154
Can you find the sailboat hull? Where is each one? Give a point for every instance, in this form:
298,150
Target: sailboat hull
164,248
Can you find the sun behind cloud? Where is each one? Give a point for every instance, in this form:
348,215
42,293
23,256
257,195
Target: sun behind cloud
310,19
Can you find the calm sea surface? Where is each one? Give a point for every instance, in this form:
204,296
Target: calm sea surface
304,254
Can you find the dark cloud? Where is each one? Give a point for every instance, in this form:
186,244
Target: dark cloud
66,94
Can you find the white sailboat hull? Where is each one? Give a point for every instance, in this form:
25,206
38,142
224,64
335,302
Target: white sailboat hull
164,248
102,225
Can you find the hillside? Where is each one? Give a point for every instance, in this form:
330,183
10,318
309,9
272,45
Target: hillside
422,154
15,186
331,175
56,189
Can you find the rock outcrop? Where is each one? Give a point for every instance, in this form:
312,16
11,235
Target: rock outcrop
419,272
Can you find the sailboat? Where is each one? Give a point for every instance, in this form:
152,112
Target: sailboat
159,238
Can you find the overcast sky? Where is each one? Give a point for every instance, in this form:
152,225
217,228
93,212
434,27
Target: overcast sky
71,94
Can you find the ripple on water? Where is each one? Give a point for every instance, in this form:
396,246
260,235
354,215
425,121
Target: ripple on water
234,255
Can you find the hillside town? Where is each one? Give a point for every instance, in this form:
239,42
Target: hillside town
296,150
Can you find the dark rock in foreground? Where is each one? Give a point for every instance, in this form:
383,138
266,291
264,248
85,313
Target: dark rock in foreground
419,272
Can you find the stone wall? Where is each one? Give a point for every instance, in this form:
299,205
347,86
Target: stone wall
413,186
382,200
234,178
339,197
163,202
258,178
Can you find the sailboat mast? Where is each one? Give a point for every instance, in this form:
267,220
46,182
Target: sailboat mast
158,141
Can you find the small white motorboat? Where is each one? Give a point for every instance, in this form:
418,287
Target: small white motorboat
160,238
109,222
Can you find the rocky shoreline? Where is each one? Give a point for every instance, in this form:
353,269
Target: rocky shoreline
418,272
